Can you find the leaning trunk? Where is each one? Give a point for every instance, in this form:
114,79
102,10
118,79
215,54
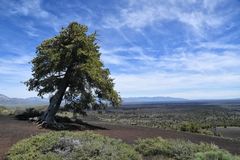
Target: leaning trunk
54,105
55,101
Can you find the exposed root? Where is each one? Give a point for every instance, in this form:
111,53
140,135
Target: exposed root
44,124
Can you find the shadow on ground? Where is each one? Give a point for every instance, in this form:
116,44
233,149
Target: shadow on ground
63,123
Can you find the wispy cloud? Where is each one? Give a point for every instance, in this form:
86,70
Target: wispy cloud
140,14
16,66
24,59
192,86
36,10
176,48
186,61
203,62
14,70
218,45
30,29
28,8
123,56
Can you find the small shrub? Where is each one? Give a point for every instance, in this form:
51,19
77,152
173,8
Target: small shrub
190,127
5,111
28,113
178,149
215,155
72,146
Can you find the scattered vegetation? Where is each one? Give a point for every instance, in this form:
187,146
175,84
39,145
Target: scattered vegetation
181,150
72,146
27,113
203,119
6,111
218,155
89,146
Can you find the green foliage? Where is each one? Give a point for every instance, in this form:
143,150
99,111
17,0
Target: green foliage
179,149
190,126
27,113
215,155
72,146
70,63
90,146
5,111
190,118
194,128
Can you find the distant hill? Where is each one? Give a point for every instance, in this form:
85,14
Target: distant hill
15,102
35,101
138,100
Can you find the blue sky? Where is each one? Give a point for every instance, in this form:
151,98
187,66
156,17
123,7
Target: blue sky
178,48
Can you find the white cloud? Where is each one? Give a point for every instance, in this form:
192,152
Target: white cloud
195,71
139,14
178,85
210,4
184,74
113,59
218,45
199,21
16,67
121,55
35,9
29,8
204,62
24,59
13,72
30,29
195,75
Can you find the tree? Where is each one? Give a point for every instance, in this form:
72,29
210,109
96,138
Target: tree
68,67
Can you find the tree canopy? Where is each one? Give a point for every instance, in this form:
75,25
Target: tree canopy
68,66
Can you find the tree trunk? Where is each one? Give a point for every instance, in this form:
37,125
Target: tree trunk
48,117
54,104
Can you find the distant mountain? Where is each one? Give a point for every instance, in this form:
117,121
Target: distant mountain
35,101
15,102
152,100
4,98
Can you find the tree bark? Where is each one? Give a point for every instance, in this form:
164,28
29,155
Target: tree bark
55,101
54,105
